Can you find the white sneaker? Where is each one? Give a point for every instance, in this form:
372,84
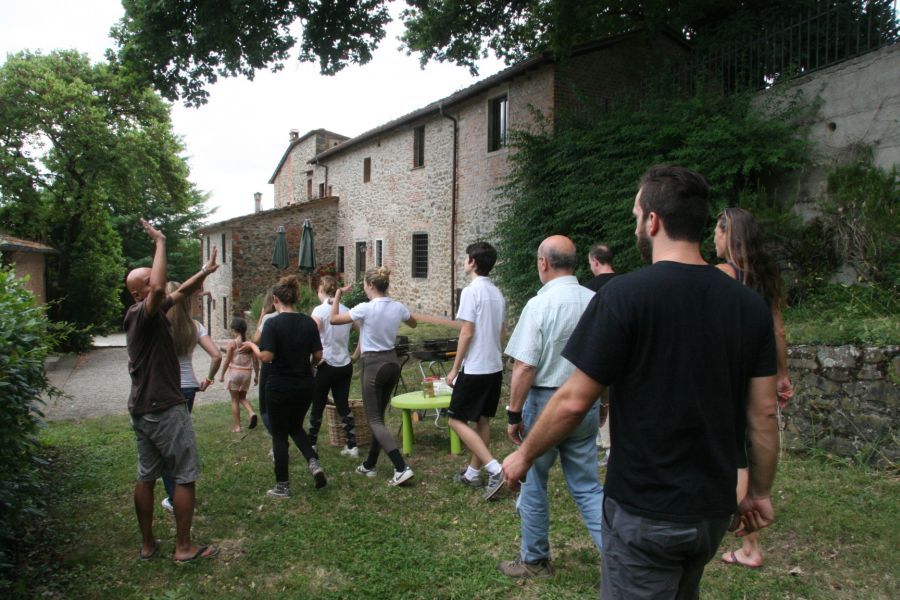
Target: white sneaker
317,472
167,504
401,477
351,452
362,470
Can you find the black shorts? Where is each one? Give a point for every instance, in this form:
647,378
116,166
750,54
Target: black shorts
475,396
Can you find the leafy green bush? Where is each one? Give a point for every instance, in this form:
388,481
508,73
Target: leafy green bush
862,217
24,345
581,180
841,314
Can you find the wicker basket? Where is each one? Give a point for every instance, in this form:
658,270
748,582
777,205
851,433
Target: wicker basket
336,428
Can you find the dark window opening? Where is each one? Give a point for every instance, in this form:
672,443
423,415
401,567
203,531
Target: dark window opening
339,263
309,189
360,260
367,170
379,254
321,190
420,255
419,146
225,323
497,114
223,249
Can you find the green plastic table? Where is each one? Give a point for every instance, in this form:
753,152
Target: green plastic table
415,401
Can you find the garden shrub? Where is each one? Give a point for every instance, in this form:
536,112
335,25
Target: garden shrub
24,345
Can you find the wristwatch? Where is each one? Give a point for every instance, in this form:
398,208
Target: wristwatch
513,417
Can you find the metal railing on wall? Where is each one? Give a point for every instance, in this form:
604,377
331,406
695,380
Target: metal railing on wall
830,33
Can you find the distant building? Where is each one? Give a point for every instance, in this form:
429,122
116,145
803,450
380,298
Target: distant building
28,259
413,193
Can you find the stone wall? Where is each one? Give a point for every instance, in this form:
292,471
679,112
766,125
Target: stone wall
397,201
249,244
847,401
481,172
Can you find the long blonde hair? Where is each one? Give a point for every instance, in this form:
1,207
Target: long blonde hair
184,328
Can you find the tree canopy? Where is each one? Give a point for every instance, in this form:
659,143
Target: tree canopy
83,153
181,46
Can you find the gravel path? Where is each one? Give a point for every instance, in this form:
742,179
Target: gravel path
96,384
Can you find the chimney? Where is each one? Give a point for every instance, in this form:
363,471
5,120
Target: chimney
257,202
295,134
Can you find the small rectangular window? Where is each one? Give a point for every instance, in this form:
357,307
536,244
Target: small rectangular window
419,146
339,262
379,253
309,189
321,190
223,249
367,170
225,323
207,247
420,255
497,114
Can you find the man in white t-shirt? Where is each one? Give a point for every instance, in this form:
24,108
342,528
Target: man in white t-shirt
477,371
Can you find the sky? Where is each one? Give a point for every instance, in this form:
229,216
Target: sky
234,142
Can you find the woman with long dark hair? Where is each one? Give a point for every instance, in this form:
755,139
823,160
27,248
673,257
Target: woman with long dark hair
290,344
739,241
379,319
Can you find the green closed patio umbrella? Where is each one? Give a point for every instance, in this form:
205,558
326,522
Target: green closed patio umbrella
280,256
307,248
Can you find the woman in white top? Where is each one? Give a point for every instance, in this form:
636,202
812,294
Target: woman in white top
188,334
335,371
379,368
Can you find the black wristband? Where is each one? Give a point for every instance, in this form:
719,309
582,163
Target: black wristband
513,417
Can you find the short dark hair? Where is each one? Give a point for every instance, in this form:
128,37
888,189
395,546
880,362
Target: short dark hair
602,254
681,199
484,255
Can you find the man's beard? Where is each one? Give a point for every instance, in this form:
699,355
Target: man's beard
645,246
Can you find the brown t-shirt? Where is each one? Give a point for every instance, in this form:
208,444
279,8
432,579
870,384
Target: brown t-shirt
152,362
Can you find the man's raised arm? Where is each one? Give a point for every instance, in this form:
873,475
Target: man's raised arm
158,274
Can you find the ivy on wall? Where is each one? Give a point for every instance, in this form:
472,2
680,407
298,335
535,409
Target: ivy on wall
581,180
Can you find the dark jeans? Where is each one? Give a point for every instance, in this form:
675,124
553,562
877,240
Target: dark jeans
286,412
646,558
168,482
379,372
337,381
263,404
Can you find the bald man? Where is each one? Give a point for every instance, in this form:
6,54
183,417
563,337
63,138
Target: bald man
540,335
159,414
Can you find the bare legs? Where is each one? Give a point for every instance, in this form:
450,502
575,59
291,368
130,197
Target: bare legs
184,515
750,553
476,439
238,399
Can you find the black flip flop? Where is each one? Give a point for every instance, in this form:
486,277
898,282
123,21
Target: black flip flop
253,421
152,555
199,555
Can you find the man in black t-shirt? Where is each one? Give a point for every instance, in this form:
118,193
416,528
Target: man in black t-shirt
690,359
600,259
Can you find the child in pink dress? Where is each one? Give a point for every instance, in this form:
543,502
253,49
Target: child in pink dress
239,366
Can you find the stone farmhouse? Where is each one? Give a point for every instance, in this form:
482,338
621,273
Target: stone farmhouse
413,193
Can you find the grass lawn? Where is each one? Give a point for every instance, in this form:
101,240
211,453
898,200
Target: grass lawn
836,536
